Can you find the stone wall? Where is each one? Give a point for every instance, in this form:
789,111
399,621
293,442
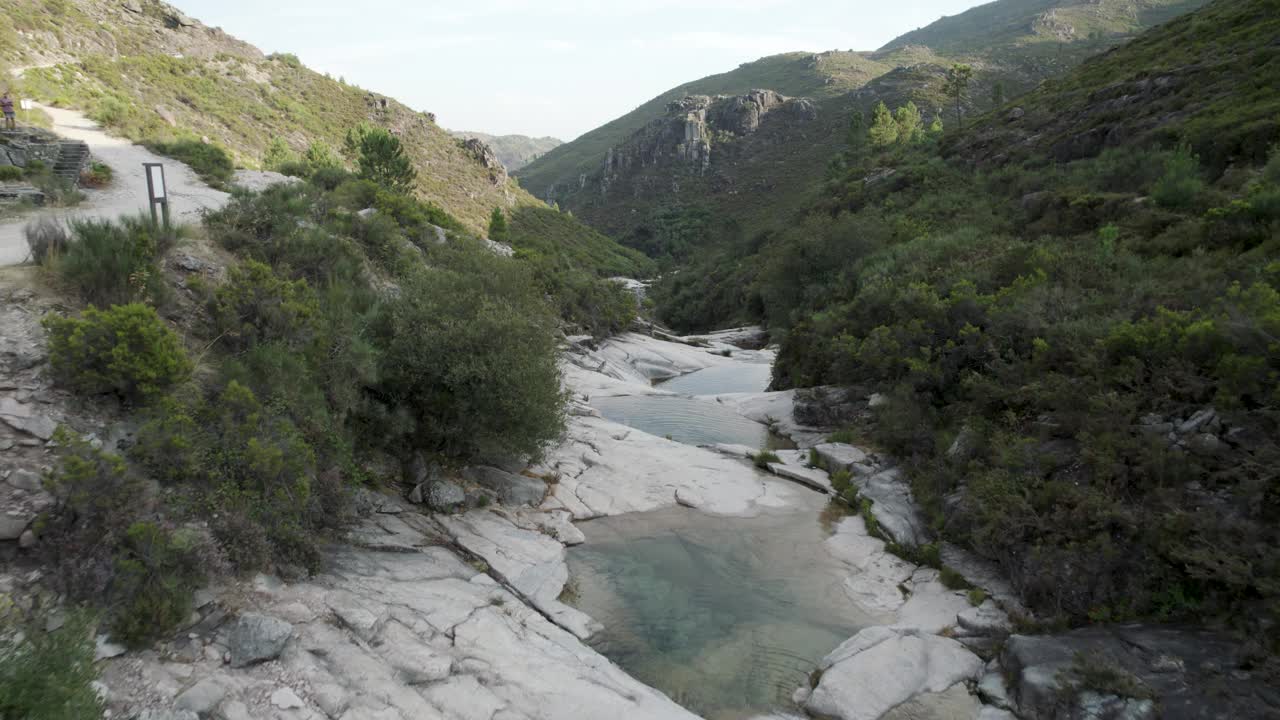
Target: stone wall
23,146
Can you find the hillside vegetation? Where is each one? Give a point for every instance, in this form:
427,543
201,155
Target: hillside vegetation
157,76
757,176
1073,311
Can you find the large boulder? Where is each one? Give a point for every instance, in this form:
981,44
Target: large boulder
828,407
511,488
257,638
882,668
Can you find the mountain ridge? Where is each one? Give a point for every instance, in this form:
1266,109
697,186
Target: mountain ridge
745,173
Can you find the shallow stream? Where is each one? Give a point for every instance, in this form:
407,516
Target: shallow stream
728,616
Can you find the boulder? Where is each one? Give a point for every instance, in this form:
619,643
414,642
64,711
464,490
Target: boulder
828,406
512,489
257,638
162,714
443,496
286,699
23,417
24,480
881,668
839,456
13,524
894,508
202,697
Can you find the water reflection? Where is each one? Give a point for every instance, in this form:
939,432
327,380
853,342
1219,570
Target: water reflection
728,616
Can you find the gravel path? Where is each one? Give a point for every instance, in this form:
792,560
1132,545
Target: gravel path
127,193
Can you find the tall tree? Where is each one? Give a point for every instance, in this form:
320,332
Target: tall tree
957,84
498,231
884,129
910,124
997,94
857,138
380,157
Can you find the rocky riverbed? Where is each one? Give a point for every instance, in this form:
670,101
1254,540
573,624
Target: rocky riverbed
443,615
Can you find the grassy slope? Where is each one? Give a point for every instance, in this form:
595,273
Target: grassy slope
795,74
120,67
541,231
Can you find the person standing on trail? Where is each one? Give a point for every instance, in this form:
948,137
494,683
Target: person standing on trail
6,104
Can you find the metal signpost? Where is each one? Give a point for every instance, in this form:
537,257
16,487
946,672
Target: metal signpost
157,194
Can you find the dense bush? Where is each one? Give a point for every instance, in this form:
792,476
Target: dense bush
209,161
98,175
110,262
96,498
125,349
256,306
156,573
469,354
249,466
49,675
11,173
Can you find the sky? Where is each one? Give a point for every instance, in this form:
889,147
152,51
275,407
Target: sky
550,67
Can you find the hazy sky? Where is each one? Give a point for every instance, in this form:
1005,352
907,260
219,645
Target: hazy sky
550,67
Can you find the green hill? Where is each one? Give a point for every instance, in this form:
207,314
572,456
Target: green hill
148,72
797,74
1071,310
757,176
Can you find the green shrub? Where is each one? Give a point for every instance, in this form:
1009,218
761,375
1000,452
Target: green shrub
256,306
252,470
96,498
209,161
953,579
977,596
126,350
1181,186
841,480
98,175
764,457
11,173
278,154
114,262
471,355
156,573
49,675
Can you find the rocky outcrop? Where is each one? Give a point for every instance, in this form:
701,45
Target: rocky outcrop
1135,672
488,158
693,125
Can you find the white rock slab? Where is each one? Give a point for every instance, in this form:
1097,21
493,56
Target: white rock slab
610,469
881,668
530,561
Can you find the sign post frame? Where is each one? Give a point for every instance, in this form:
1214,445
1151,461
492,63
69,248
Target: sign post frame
157,192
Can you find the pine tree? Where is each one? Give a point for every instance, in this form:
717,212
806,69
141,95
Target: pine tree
498,230
997,94
910,124
857,138
935,128
957,83
884,129
380,157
